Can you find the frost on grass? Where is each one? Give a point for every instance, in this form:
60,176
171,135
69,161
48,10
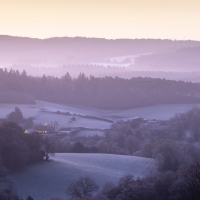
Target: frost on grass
66,122
160,112
51,178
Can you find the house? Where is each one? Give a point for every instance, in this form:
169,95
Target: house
45,129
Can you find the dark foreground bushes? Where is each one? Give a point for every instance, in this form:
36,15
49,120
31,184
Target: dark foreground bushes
17,149
181,185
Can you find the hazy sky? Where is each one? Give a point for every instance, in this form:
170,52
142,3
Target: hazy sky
172,19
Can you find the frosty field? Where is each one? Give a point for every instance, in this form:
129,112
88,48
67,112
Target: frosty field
49,179
89,118
66,122
162,112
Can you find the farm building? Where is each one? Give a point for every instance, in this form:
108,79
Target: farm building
45,129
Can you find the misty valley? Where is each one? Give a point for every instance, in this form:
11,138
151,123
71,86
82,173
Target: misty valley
96,119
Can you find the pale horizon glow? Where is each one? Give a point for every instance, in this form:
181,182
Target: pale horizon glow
111,19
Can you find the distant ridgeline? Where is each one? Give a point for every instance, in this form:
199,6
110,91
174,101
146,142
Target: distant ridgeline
106,93
79,49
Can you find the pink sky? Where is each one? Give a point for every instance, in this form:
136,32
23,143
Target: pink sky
171,19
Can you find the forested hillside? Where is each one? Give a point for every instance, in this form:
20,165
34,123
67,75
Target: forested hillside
107,93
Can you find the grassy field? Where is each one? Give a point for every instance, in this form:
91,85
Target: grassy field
149,112
47,179
162,112
66,122
90,118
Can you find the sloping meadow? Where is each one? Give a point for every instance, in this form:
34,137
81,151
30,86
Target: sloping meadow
50,179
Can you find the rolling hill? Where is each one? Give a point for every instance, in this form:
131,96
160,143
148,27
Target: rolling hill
49,179
65,50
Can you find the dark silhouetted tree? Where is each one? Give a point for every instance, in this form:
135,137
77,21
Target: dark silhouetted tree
78,148
15,116
83,187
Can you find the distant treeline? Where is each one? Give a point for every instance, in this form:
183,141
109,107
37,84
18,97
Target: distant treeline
16,97
62,50
182,59
106,93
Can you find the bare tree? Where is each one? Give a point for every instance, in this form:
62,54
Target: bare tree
82,188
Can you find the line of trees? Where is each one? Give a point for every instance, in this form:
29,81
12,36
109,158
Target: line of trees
107,92
17,150
182,185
